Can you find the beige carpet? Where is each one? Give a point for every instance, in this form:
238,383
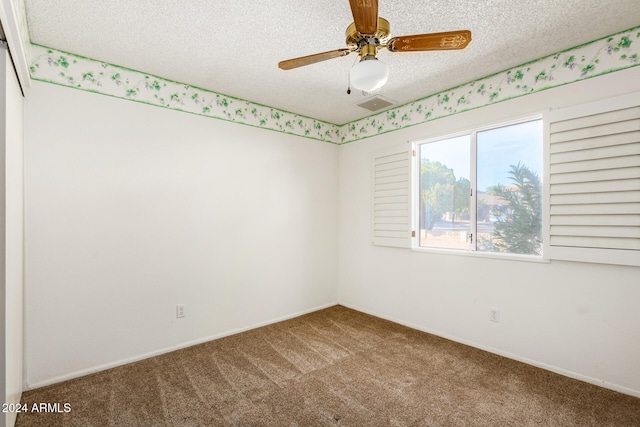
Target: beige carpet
332,367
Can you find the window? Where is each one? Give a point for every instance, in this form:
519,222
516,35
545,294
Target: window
444,193
485,191
482,191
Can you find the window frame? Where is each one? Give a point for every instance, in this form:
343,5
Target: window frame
472,133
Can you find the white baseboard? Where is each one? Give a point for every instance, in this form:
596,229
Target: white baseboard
545,366
121,362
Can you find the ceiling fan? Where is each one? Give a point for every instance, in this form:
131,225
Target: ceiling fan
367,34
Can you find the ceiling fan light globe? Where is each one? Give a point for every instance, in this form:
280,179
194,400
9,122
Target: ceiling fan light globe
369,75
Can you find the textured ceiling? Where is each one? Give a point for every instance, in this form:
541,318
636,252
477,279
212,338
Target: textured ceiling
233,46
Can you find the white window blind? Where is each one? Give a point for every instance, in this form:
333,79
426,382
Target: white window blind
391,197
594,182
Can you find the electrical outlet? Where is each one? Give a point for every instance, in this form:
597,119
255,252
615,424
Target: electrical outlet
180,311
494,315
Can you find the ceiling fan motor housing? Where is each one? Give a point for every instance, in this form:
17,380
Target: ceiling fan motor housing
368,51
354,37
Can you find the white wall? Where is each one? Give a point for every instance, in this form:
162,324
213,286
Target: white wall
133,209
578,319
12,240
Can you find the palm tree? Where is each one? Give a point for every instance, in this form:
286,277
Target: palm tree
521,232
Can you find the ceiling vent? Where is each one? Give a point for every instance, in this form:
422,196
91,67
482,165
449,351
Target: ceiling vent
376,103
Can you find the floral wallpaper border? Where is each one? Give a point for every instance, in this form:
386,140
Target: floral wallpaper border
596,58
603,56
66,69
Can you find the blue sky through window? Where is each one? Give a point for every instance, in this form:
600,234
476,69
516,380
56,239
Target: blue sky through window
497,150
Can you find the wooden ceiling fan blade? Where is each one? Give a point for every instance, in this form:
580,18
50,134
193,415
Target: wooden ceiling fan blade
312,59
449,40
365,15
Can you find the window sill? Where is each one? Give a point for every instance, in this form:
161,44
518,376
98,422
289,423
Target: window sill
474,254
